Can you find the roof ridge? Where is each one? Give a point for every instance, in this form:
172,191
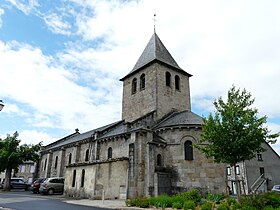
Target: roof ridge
155,50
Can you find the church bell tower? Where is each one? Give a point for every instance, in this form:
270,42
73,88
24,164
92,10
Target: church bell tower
155,84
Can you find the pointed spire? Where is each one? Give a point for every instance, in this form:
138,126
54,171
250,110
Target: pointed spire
155,50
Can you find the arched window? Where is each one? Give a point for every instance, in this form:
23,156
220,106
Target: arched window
159,160
55,163
188,150
168,79
177,82
70,159
134,86
83,178
45,166
74,178
142,82
110,152
87,155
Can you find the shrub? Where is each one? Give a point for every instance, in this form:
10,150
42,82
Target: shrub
191,195
153,201
160,201
143,203
189,204
271,199
177,205
206,206
127,202
177,199
140,202
248,207
223,206
268,208
216,198
231,204
261,201
132,202
163,206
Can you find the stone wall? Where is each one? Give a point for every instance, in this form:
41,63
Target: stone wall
109,177
119,148
142,102
168,98
156,95
201,173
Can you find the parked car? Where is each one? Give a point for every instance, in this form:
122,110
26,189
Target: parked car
19,183
52,185
36,185
276,188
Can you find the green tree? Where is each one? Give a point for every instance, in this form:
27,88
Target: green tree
12,154
235,132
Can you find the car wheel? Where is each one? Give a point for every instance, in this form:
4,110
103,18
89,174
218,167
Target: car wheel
50,191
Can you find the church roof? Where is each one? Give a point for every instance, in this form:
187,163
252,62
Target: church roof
82,136
183,118
180,118
155,50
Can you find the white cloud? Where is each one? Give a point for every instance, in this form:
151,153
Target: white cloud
34,137
275,128
220,42
56,24
57,102
14,109
24,6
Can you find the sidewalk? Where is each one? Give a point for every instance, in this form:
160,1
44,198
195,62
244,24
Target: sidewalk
112,204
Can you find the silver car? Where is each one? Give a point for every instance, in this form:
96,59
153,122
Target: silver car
52,185
276,188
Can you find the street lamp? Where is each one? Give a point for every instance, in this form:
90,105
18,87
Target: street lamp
1,105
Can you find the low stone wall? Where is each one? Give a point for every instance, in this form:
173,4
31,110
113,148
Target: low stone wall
108,179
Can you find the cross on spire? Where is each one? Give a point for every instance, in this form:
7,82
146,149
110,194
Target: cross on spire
154,22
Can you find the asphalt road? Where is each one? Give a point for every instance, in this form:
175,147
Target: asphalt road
21,200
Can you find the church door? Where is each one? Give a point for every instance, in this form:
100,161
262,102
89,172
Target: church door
164,183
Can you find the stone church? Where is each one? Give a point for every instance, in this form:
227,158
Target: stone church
150,151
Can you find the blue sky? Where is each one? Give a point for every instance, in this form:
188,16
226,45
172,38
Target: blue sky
61,61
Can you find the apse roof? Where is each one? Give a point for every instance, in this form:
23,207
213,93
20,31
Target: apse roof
180,118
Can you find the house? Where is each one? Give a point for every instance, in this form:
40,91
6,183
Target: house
150,150
27,171
257,175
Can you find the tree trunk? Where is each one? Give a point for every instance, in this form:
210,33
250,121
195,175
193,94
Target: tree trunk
237,184
8,174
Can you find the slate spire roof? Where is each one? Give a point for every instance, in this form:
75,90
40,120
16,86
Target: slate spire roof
155,50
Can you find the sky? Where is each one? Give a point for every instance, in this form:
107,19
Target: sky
61,61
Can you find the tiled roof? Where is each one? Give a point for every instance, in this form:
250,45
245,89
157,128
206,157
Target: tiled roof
116,130
82,136
155,50
119,127
180,118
